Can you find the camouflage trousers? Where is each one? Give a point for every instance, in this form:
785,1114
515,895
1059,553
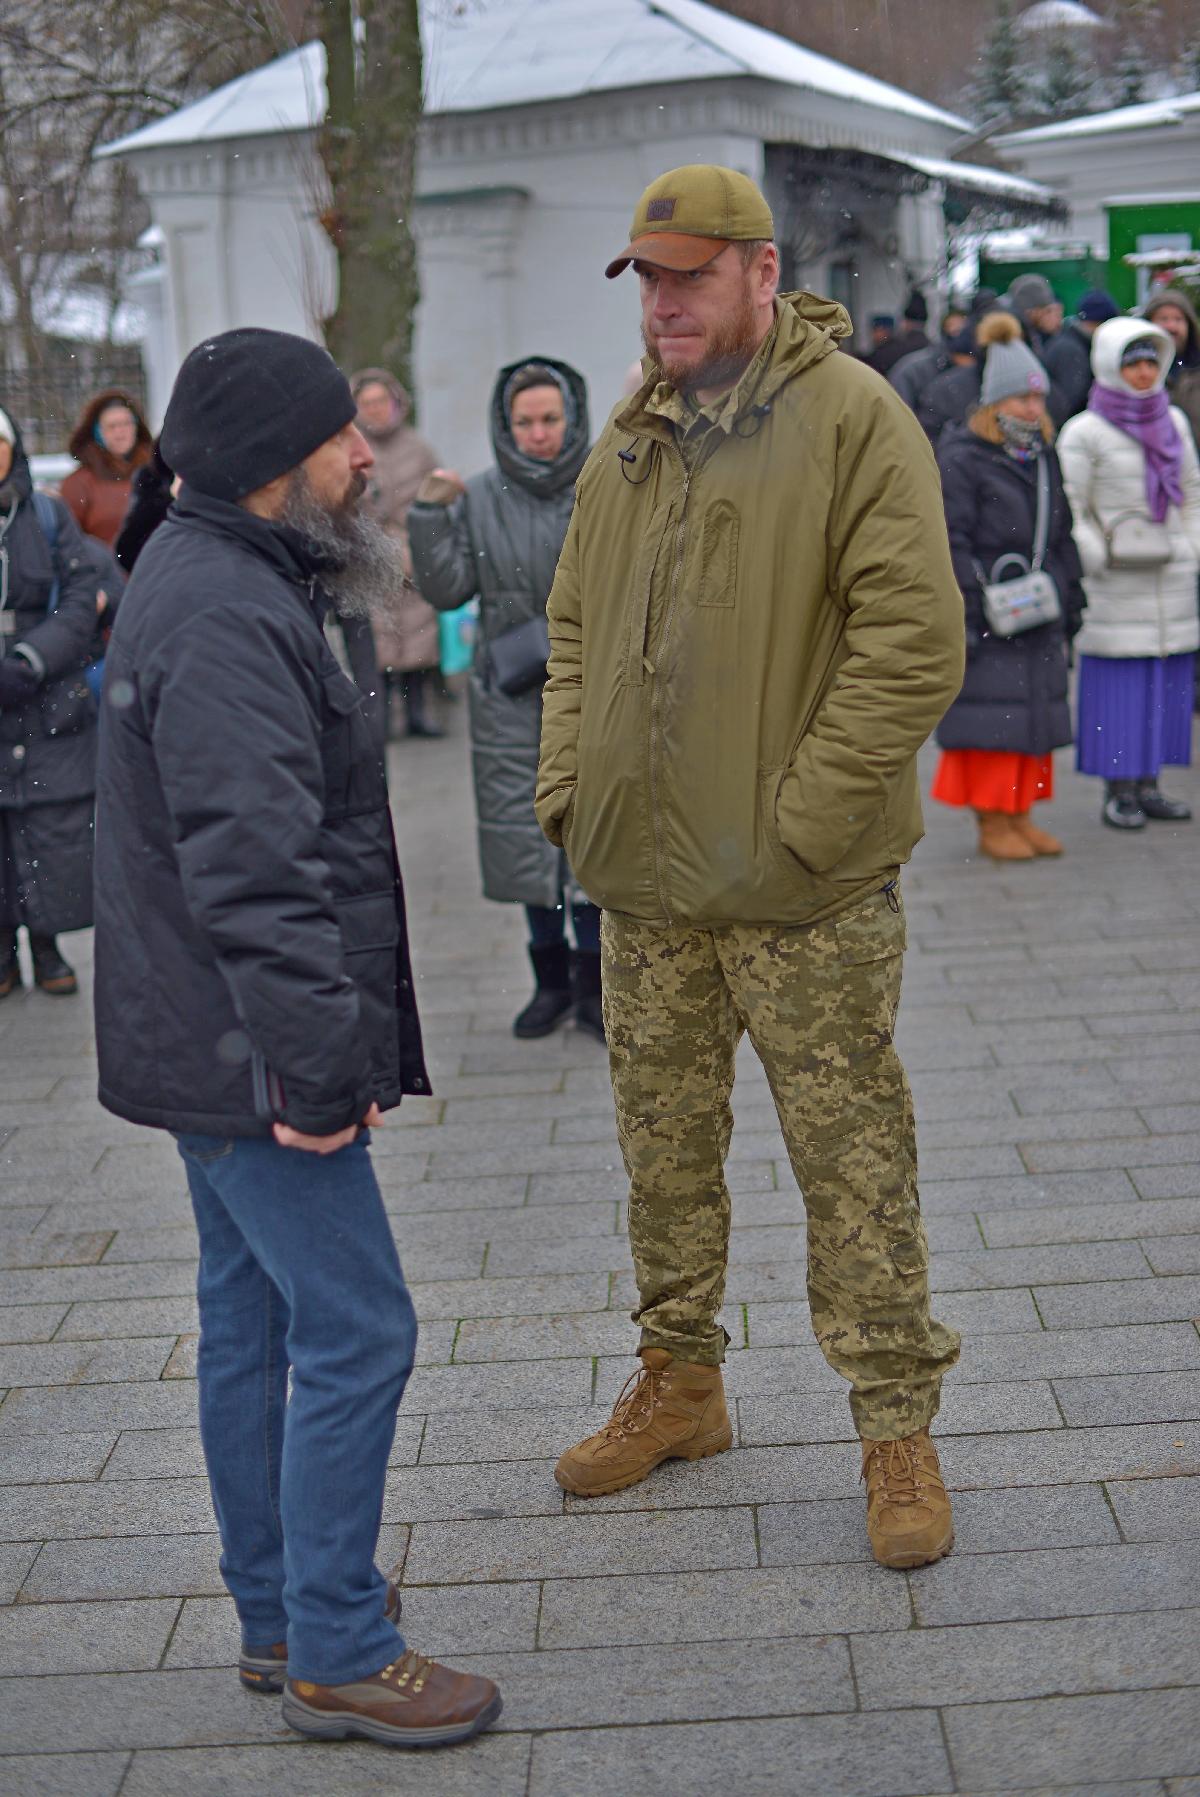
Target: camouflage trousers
819,1003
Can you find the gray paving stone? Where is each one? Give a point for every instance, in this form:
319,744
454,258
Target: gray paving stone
1158,1510
75,1248
759,1603
985,1522
1173,1253
104,1507
1058,1353
130,1709
400,1198
1166,1182
742,1476
1070,1456
534,1433
15,1561
52,1285
63,1774
851,1756
122,1318
177,1454
966,1410
573,1546
1119,1301
1082,1262
34,1459
628,1686
80,1409
1093,1223
433,1493
83,1363
134,1566
30,1322
1075,1738
1026,1191
1073,1581
1016,1128
505,1384
1136,1398
494,1765
969,1163
542,1337
514,1297
992,1662
1142,1151
100,1637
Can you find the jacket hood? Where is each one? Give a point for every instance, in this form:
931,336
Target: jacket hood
19,479
1113,338
542,478
90,453
807,329
1175,296
399,392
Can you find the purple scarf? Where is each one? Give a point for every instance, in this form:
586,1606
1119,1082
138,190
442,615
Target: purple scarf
1146,417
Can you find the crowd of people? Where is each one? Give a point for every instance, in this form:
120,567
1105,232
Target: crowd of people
709,648
1072,494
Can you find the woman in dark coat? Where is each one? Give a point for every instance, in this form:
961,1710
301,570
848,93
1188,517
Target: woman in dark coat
1013,709
500,536
47,724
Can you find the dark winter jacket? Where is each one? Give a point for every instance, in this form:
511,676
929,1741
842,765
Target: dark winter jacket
1183,382
1014,693
949,399
47,745
912,374
1068,360
502,540
905,343
251,951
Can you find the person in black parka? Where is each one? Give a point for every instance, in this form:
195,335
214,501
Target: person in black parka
47,724
1013,709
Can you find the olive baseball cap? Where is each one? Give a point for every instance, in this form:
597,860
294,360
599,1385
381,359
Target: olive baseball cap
688,215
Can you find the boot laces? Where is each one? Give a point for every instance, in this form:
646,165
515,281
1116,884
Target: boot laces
635,1403
899,1470
411,1668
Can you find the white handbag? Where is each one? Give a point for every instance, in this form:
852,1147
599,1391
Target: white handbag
1131,540
1016,602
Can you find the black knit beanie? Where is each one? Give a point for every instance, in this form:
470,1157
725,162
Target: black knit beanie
916,311
250,405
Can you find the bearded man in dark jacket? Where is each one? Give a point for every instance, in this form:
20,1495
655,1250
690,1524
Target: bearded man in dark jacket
254,997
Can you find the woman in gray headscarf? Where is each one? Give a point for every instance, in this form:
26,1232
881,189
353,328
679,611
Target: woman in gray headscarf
499,535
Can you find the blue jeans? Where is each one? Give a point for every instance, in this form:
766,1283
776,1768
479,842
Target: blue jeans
298,1270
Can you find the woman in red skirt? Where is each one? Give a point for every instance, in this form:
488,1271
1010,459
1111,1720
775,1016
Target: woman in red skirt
998,736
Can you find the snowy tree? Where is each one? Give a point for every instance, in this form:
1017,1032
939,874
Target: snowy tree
1138,50
1000,87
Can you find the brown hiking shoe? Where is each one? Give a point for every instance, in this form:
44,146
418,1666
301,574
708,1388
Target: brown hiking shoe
264,1669
908,1512
668,1410
414,1702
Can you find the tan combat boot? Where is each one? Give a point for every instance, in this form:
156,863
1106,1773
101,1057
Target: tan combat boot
908,1512
999,838
669,1410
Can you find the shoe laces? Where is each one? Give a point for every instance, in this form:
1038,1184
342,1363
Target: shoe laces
635,1403
411,1668
899,1470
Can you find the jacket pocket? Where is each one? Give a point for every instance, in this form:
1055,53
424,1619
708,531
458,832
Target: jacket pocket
267,1087
642,585
719,556
368,922
874,930
351,762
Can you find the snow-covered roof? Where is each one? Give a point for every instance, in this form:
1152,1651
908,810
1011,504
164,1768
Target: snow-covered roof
1143,117
982,179
519,52
1060,15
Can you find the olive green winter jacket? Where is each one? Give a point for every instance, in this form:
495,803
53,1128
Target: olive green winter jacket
749,648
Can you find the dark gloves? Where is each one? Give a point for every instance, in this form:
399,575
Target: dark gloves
18,682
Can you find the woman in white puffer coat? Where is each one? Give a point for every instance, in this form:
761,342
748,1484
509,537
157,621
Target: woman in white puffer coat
1131,474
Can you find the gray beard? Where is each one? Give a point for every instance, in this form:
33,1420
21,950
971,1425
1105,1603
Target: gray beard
364,568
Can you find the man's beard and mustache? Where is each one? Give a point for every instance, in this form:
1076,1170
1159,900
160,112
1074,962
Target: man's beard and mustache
728,352
362,568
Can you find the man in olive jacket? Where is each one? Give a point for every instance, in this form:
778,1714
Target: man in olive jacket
754,626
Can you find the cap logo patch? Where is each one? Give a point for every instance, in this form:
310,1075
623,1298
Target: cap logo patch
659,211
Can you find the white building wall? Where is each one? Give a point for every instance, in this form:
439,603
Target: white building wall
1087,171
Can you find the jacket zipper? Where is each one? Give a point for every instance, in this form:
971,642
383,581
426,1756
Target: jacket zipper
655,813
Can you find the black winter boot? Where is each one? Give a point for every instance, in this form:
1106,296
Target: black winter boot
10,967
1122,807
416,690
552,1000
585,986
50,971
1158,806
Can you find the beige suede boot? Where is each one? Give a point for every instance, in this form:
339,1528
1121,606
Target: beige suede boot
908,1513
669,1410
1040,841
999,839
